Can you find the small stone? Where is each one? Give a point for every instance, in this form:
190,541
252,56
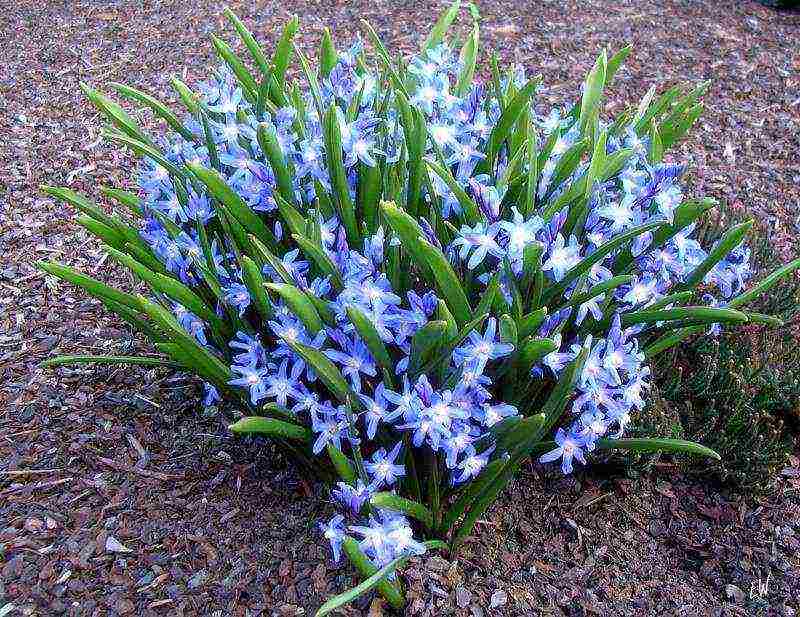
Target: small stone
499,598
115,546
734,594
197,580
463,597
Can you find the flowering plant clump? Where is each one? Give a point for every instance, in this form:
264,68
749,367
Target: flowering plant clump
410,280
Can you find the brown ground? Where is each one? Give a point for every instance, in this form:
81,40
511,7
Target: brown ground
117,497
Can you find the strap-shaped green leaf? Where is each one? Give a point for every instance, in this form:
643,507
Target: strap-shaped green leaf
250,42
342,465
126,198
653,445
447,282
531,322
131,360
764,285
338,175
426,344
366,330
508,119
325,369
161,110
107,234
600,288
327,53
233,203
412,508
670,339
409,232
471,212
299,304
468,58
142,149
320,258
172,288
91,285
240,70
442,25
188,98
729,241
268,140
205,363
115,114
254,280
597,256
593,90
282,56
271,427
701,314
373,577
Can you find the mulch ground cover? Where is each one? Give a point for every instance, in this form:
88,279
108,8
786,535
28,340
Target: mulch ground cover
119,496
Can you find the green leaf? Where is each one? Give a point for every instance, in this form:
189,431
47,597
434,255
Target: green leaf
243,75
250,42
471,492
765,285
338,175
268,140
132,360
600,288
468,58
701,314
409,232
126,198
327,54
670,339
425,345
115,114
299,304
593,90
471,212
366,330
194,355
233,203
188,98
374,578
447,282
732,238
655,445
414,509
596,257
325,369
283,51
91,285
254,280
161,110
508,119
142,149
444,22
531,322
560,395
320,258
271,427
342,465
169,287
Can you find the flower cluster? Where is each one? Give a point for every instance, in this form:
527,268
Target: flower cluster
419,278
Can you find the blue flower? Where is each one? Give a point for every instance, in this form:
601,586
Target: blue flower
334,532
480,349
569,446
383,469
252,378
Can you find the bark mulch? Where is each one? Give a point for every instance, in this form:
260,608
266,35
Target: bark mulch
118,496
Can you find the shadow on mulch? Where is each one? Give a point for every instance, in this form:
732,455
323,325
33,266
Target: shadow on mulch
118,497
